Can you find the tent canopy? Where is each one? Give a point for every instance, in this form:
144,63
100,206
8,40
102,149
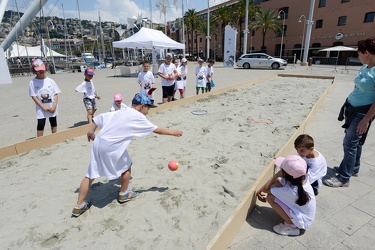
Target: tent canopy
148,39
338,48
16,50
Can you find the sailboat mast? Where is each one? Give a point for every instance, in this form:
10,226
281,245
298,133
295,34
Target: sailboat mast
101,35
80,25
66,52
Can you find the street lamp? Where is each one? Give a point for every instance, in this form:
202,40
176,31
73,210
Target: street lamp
282,34
303,34
50,47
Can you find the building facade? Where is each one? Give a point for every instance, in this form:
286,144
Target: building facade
335,22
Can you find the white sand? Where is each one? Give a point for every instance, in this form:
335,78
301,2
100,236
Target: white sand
221,154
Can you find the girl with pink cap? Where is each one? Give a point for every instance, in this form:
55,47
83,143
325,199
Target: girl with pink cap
290,195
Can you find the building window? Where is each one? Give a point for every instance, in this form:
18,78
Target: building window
345,1
322,3
280,33
338,44
319,24
369,17
342,21
316,45
200,39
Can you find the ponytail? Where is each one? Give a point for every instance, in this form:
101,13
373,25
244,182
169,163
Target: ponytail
303,197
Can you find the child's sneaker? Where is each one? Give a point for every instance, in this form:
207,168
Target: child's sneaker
129,195
77,211
336,182
287,229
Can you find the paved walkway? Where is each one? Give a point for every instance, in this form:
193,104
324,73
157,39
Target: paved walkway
344,216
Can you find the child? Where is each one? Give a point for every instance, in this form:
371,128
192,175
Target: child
179,84
184,71
146,81
117,103
89,93
167,72
44,91
201,74
109,155
210,73
291,196
316,163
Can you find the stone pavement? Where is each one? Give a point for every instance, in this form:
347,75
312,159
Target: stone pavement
344,216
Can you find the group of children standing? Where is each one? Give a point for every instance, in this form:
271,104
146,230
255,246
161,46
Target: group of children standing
291,191
204,81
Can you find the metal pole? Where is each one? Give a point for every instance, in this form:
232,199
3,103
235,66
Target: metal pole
183,29
246,31
101,36
310,23
50,47
208,30
303,35
282,34
80,25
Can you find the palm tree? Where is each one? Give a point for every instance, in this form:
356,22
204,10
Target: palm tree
240,14
191,21
224,16
266,19
202,29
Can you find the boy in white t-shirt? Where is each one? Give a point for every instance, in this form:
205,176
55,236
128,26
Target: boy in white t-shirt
316,163
201,76
89,93
117,103
146,81
44,92
109,155
167,73
210,74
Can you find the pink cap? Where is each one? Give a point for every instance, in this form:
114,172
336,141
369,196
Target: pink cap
294,165
38,65
118,97
89,71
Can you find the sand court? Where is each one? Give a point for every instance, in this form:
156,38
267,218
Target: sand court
221,155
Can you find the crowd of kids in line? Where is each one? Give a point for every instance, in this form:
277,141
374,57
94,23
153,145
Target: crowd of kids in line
290,192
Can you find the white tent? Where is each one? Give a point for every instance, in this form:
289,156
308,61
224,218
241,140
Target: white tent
36,51
338,49
148,39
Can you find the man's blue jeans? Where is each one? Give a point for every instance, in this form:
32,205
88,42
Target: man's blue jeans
352,150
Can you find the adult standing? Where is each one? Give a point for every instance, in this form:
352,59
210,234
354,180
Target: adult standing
44,92
167,72
358,111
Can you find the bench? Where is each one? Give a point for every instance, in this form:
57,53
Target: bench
20,71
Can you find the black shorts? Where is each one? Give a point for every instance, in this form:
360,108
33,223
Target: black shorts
42,123
168,91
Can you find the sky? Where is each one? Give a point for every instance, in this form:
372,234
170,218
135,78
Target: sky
113,10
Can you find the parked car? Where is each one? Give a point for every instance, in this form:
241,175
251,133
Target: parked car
260,60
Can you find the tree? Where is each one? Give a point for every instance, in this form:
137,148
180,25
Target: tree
265,20
191,21
240,14
224,16
202,29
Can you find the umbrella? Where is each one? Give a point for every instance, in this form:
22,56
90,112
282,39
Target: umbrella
338,49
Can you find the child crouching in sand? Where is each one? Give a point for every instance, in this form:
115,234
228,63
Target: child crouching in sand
109,155
291,196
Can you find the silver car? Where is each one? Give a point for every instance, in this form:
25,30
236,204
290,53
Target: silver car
260,60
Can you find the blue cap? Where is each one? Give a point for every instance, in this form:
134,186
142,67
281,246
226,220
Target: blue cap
141,98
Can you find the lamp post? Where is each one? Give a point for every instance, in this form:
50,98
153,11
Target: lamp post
282,34
303,34
309,24
208,31
50,47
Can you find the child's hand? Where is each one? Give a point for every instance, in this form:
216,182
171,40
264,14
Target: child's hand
90,136
98,97
261,196
52,110
177,133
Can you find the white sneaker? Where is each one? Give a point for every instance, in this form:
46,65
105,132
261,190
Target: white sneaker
286,229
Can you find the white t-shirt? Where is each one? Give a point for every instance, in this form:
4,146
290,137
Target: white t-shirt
115,108
109,155
147,79
167,70
201,73
317,168
210,71
184,72
301,216
179,82
87,88
45,90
